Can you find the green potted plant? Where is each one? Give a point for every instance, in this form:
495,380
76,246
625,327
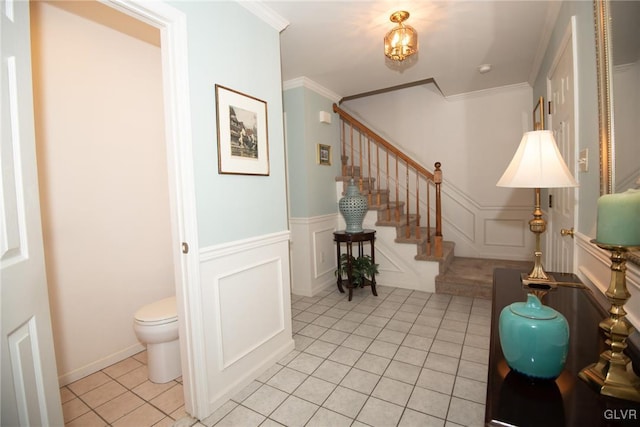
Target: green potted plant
362,268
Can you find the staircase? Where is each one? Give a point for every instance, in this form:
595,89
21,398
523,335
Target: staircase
405,196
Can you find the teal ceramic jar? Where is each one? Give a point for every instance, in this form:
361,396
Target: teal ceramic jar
353,207
534,338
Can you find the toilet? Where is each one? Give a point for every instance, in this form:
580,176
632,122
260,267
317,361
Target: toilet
156,326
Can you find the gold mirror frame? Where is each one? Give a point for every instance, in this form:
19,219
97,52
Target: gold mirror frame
602,13
605,113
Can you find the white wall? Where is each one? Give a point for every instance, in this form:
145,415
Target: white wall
103,183
474,136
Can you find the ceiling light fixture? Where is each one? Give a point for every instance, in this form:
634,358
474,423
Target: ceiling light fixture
402,41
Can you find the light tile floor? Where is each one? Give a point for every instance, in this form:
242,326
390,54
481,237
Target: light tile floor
121,395
403,358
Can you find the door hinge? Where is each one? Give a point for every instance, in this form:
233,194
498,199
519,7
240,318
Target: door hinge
550,200
185,248
549,108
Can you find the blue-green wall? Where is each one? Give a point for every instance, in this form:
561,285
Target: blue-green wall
230,46
311,188
587,106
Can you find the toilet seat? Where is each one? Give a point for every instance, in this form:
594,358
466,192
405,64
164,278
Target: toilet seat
158,313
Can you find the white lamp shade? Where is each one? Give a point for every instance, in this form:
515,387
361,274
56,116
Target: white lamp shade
537,164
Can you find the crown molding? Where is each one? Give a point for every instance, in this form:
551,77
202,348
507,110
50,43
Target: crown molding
311,85
264,12
489,91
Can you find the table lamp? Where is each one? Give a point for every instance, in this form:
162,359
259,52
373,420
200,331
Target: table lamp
537,164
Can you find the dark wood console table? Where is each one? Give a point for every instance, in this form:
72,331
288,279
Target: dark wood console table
514,400
349,239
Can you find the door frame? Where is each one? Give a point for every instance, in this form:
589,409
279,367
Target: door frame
568,37
172,24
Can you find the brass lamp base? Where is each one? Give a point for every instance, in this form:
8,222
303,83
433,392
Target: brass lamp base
538,281
527,281
538,287
613,374
537,225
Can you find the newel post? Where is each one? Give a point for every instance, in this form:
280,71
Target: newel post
437,179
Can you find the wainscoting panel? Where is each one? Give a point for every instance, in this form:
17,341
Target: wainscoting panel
485,231
459,213
259,317
505,232
313,254
324,251
246,306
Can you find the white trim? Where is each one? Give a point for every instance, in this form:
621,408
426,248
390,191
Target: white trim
100,364
239,246
568,38
311,85
576,128
174,50
313,220
265,13
484,92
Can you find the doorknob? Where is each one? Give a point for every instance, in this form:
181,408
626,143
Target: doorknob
566,232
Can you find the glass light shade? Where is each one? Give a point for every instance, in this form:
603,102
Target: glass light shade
402,41
537,163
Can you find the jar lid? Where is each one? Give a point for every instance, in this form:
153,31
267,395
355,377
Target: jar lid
533,309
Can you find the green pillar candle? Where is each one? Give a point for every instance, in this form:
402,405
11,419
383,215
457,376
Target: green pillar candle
619,219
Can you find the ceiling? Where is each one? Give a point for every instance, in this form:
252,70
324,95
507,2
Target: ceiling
339,44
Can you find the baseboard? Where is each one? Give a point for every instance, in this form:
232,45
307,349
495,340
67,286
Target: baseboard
249,376
98,365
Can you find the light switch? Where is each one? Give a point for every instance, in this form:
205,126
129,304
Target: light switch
583,161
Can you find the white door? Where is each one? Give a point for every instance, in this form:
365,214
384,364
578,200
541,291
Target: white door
561,213
30,392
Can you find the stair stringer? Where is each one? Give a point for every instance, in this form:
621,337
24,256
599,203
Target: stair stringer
398,266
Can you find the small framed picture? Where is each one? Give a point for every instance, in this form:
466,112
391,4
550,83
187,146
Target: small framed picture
324,155
243,146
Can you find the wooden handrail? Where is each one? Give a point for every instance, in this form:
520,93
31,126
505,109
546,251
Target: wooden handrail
412,228
377,138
